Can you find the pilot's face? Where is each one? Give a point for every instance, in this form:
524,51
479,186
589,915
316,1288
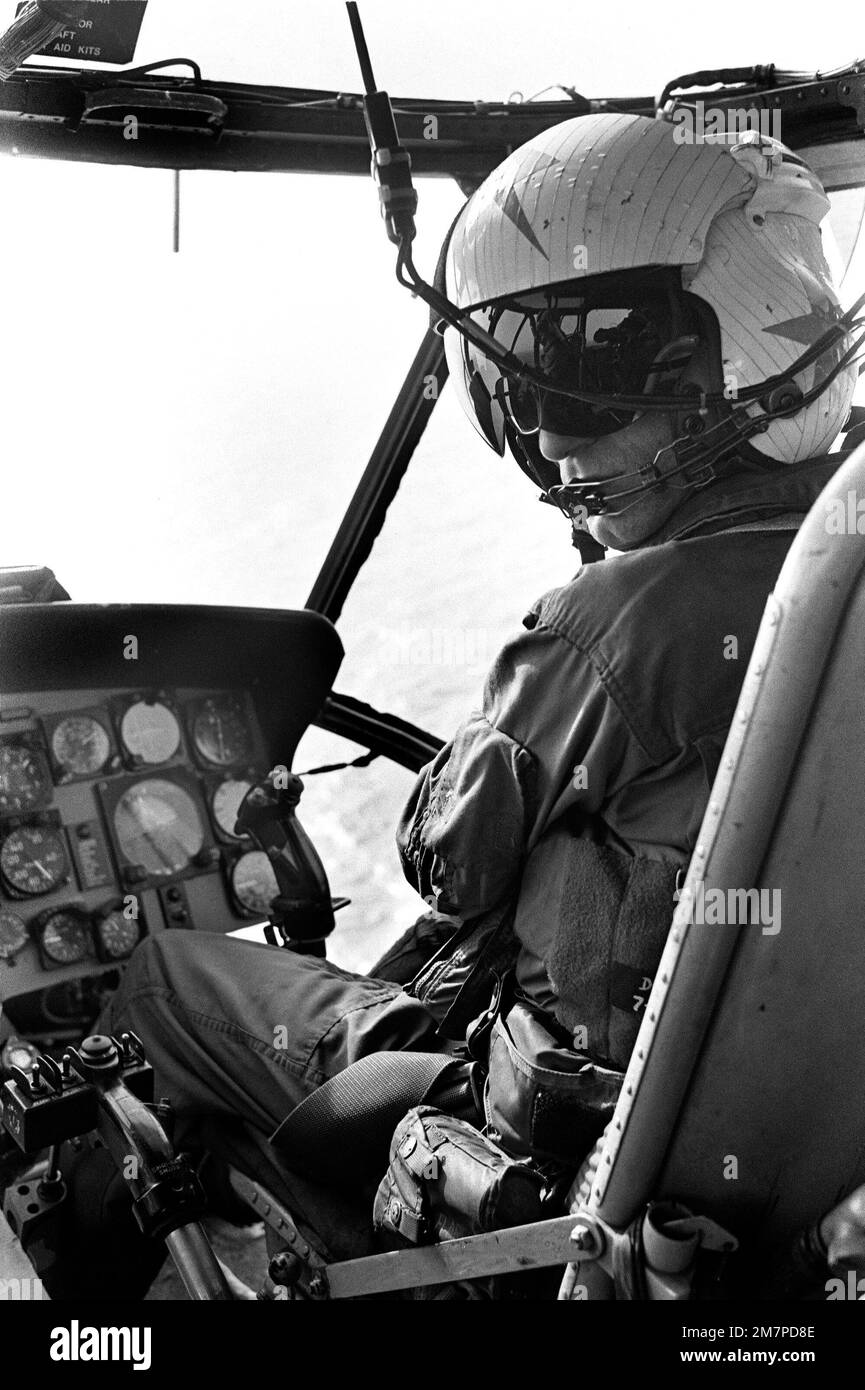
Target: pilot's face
611,456
624,452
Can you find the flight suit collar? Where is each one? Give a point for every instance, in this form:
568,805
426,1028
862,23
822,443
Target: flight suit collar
780,498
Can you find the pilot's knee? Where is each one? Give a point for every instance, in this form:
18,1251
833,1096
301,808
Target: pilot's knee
155,966
150,987
162,955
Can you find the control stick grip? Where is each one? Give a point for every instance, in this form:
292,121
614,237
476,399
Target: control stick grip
302,911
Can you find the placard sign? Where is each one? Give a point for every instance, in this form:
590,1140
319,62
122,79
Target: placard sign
98,31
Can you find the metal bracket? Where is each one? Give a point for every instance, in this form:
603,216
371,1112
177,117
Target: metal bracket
311,1278
851,92
30,1203
540,1245
672,1239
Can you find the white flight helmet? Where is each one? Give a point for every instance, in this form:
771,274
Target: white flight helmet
616,210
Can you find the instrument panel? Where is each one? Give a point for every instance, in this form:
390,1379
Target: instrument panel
117,818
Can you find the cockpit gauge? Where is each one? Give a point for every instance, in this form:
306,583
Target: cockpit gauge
225,803
33,861
220,733
117,935
149,732
254,882
80,745
25,779
63,935
158,827
13,934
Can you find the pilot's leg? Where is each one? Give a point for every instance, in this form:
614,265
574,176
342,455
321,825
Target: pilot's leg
246,1031
234,1031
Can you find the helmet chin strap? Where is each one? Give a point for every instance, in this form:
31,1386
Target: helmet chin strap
596,495
694,467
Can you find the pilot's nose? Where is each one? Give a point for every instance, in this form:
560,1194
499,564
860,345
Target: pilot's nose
558,447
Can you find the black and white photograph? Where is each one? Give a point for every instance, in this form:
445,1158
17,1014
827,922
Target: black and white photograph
432,678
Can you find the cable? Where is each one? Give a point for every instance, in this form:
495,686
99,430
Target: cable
758,78
147,68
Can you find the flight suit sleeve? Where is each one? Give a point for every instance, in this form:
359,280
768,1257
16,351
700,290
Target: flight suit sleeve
548,737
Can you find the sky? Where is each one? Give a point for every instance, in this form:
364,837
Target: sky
490,48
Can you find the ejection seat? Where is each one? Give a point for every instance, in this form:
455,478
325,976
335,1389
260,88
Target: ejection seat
740,1120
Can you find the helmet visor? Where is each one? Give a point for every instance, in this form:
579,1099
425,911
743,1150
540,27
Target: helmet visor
578,340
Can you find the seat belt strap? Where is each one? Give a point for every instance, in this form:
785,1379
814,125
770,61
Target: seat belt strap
341,1133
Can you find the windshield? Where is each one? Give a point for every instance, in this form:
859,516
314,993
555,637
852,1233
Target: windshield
198,425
